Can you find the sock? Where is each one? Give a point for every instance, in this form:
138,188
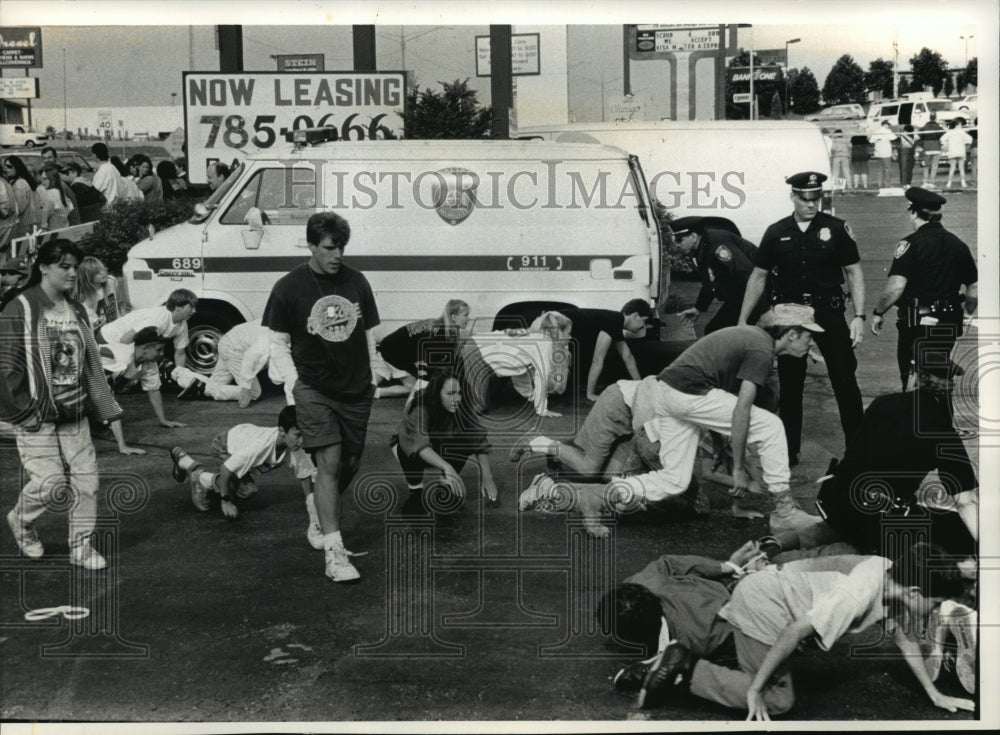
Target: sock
333,540
206,480
540,444
416,488
311,509
185,461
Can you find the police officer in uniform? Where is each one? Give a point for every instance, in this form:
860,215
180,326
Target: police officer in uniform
928,270
724,260
807,255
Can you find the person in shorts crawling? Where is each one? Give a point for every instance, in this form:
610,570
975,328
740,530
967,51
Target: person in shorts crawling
246,451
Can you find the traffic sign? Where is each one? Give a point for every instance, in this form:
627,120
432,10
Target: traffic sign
741,98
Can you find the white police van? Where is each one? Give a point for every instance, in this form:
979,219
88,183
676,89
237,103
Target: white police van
510,227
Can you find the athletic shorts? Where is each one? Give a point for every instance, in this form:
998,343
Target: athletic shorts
325,421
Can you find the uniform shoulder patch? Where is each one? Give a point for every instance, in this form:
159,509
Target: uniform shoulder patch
849,231
901,247
723,254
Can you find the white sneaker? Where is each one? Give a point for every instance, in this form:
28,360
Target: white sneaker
339,567
25,536
199,495
962,621
315,535
86,556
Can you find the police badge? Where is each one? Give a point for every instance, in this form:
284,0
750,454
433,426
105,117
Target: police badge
454,194
825,235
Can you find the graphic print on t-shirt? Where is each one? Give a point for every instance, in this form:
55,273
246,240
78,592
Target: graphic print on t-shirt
333,318
66,347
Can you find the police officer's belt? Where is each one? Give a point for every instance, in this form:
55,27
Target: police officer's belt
827,300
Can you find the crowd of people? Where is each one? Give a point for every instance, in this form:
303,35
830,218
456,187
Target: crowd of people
55,196
719,630
866,158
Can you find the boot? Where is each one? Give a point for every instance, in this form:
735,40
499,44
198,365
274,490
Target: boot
787,516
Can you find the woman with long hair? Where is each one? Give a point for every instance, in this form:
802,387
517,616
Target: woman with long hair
404,354
147,181
26,194
50,382
56,206
435,434
98,292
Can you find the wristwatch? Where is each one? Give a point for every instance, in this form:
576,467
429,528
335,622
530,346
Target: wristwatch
875,312
862,317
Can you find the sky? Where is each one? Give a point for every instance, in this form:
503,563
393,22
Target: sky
140,64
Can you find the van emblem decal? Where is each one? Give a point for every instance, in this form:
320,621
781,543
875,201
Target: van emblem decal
454,194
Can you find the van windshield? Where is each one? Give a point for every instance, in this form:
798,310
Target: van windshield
939,105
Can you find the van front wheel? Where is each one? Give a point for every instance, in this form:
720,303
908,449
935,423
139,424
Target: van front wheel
204,332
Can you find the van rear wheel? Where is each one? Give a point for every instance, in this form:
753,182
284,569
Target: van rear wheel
29,144
205,329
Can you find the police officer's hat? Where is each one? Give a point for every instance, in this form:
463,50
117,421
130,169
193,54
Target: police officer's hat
808,184
685,225
928,201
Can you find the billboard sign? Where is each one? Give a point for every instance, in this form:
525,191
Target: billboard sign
301,62
772,56
230,115
653,39
19,88
737,74
20,48
524,55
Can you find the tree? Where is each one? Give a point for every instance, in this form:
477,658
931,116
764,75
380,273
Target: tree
929,70
777,112
904,85
878,78
971,75
845,82
949,86
804,91
452,114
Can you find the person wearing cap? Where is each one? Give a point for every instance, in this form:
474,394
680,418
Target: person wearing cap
724,260
138,361
807,255
713,385
13,275
929,268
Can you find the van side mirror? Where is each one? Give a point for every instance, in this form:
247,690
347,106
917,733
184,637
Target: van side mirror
255,219
253,236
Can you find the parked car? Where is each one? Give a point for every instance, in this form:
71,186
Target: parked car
915,112
969,105
837,112
33,160
21,135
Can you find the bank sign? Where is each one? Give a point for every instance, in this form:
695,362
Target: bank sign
20,48
228,116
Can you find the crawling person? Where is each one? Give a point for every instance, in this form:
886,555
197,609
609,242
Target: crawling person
404,353
246,451
434,434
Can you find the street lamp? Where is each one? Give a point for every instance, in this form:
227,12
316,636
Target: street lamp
788,66
967,39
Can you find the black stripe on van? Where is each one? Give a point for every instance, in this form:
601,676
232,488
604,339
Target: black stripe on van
282,264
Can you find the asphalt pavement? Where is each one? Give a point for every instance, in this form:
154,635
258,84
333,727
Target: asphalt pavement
477,613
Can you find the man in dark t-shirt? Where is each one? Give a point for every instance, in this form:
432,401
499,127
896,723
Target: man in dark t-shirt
596,330
322,315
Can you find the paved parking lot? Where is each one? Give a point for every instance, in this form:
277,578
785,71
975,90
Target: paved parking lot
483,614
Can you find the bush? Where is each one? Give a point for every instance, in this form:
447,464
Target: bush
125,223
